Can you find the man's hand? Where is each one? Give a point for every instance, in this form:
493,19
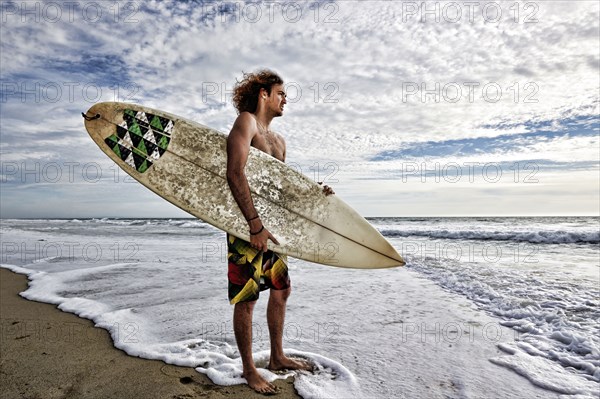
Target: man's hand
259,241
326,189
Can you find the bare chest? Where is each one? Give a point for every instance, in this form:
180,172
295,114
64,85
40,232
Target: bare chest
270,144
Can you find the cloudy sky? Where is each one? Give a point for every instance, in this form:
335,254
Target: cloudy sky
405,108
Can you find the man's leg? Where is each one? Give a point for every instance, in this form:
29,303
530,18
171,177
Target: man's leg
275,319
242,327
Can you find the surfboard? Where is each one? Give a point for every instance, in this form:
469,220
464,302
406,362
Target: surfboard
185,163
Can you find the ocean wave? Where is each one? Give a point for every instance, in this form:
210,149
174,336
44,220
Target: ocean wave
186,223
537,237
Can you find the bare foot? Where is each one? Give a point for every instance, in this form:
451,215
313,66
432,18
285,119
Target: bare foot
259,384
285,363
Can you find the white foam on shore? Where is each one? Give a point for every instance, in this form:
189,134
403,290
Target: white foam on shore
134,334
19,269
545,373
329,379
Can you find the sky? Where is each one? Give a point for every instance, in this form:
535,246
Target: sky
474,108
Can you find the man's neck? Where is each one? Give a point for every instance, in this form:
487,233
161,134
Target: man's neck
263,118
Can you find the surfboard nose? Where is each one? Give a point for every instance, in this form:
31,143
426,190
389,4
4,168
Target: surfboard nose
96,111
101,120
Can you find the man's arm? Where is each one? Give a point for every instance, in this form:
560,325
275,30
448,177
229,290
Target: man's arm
238,148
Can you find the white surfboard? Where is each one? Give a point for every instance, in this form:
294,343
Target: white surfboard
185,163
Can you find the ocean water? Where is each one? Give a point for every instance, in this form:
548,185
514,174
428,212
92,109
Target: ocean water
485,307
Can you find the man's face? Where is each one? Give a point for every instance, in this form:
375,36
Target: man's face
276,100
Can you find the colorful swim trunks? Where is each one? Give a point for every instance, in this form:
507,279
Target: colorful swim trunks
251,271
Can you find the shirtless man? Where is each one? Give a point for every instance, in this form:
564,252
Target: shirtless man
259,98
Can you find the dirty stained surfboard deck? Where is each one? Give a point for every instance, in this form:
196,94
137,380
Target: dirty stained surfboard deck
185,163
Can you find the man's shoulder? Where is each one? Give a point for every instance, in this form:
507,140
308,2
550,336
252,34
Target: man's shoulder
280,137
246,117
245,124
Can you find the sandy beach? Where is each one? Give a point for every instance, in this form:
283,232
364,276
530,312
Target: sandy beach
48,353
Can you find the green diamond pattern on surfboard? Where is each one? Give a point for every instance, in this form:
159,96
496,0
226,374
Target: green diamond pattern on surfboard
155,122
141,139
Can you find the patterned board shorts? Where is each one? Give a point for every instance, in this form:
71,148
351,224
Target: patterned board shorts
251,271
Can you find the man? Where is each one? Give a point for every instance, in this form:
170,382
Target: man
258,98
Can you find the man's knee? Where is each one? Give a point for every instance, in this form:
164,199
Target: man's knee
246,307
281,295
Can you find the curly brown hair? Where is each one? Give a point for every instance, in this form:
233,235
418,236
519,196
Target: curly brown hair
245,92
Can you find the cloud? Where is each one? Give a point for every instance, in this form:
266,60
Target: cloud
370,83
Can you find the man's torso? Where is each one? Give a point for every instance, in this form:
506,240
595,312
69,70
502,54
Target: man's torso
271,143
